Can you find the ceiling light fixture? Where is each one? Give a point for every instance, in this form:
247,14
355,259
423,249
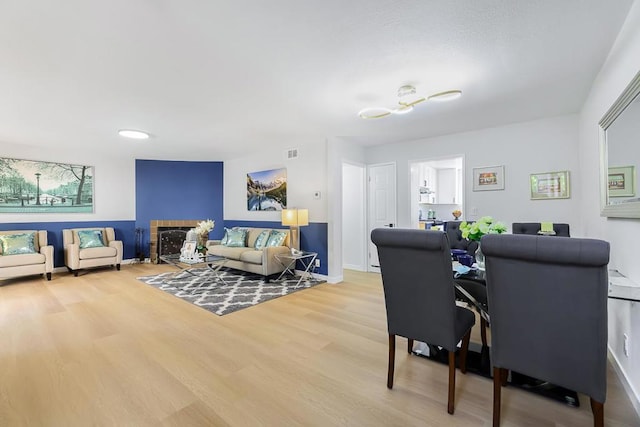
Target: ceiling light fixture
133,134
407,99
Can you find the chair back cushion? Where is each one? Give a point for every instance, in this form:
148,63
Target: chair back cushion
548,308
418,284
562,230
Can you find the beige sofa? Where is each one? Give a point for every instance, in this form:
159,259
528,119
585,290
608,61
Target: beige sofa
40,262
258,261
76,258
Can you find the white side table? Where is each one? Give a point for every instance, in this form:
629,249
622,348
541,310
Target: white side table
288,261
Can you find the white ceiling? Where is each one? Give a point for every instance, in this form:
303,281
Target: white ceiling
212,79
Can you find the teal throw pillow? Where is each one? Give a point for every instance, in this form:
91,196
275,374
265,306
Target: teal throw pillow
236,238
261,241
16,244
90,239
276,238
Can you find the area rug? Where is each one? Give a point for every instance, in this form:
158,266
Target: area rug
240,290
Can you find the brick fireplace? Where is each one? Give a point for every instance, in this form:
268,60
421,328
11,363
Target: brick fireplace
163,224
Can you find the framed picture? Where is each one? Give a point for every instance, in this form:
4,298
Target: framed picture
622,181
488,178
550,185
188,249
267,190
30,186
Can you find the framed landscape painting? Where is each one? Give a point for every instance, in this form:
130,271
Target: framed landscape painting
550,185
30,186
267,190
621,181
488,178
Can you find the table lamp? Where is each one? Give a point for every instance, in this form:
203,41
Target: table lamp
295,218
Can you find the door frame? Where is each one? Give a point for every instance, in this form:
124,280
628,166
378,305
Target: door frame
365,204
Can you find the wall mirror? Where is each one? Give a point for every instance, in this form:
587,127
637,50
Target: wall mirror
620,155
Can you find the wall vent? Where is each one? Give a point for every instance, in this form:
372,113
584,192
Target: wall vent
291,153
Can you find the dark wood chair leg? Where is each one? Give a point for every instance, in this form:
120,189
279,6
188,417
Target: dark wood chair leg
409,345
452,382
463,352
118,267
392,356
597,408
48,276
504,375
483,331
75,273
497,388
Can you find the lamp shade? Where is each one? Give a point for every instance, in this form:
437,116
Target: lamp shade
295,217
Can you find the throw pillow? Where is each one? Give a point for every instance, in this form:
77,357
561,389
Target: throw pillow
261,241
276,238
236,238
90,239
16,244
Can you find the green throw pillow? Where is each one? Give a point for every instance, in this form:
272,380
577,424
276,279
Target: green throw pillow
276,238
261,241
90,239
236,238
16,244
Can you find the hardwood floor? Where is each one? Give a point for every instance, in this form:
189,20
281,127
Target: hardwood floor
105,349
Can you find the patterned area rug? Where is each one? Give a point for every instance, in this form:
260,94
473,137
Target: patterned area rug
239,290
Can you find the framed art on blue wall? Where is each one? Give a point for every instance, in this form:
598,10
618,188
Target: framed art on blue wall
30,186
267,190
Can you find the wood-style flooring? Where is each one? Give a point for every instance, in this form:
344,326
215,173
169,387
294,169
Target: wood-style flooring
104,349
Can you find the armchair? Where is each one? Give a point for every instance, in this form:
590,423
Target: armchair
15,262
91,247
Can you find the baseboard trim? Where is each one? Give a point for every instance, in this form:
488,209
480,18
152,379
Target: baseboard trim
354,267
628,388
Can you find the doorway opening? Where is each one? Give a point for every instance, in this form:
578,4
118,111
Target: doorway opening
437,190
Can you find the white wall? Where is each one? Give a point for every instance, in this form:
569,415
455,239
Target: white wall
523,148
114,183
305,174
339,151
353,214
624,317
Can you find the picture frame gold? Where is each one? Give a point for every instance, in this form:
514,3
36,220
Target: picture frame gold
550,185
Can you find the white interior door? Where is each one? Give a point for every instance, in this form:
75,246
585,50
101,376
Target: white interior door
382,204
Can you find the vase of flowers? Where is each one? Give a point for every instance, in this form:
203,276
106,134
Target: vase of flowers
456,214
475,231
203,228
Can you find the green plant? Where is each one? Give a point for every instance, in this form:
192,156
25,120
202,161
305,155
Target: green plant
485,225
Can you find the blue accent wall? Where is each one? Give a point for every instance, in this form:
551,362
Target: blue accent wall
125,231
313,237
177,190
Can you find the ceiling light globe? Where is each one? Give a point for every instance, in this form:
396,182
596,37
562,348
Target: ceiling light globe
133,134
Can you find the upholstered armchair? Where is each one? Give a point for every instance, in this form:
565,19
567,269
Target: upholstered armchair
91,247
25,252
533,228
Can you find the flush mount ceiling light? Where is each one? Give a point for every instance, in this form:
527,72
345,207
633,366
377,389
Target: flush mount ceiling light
133,134
407,99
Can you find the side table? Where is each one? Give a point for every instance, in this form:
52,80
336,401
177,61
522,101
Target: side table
288,261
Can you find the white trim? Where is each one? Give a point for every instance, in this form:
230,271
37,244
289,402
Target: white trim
354,267
628,387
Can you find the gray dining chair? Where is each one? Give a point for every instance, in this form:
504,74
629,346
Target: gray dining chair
561,229
417,278
548,307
